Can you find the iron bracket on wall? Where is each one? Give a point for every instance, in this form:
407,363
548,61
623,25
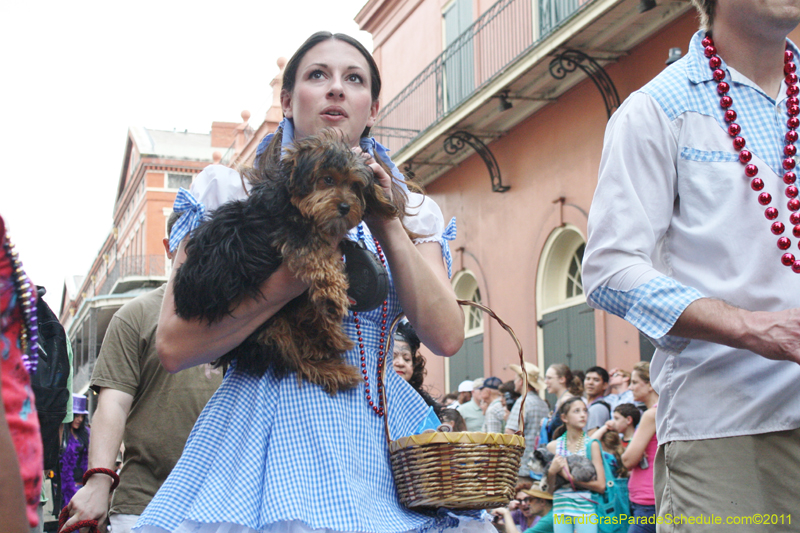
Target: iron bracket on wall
458,140
569,60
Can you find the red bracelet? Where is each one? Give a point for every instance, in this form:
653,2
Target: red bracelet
106,471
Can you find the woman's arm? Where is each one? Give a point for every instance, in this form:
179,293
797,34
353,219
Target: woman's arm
425,292
185,343
599,484
635,450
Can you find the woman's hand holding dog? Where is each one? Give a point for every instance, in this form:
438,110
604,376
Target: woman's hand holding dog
558,464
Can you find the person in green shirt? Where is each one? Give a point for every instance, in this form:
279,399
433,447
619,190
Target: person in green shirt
540,504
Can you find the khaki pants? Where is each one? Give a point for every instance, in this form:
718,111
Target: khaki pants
736,484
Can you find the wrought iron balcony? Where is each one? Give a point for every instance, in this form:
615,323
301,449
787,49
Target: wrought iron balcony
134,271
504,33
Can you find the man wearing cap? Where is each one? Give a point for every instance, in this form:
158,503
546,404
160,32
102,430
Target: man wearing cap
535,410
472,411
495,414
536,503
464,392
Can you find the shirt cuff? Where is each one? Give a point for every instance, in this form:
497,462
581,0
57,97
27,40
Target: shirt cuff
653,308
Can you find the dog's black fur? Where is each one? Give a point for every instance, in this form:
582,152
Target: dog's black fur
580,467
231,255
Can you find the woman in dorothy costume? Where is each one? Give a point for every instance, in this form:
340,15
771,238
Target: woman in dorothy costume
265,454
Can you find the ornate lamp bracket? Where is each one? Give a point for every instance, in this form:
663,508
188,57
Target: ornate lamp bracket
458,140
570,60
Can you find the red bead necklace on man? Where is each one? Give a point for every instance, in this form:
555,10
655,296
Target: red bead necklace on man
757,184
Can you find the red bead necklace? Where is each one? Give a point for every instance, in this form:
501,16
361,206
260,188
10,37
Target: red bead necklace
377,405
751,171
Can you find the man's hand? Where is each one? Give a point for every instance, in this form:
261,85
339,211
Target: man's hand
774,335
91,502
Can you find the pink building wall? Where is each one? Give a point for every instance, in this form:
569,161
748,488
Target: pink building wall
554,153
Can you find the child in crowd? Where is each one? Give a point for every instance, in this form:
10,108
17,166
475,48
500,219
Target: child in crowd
453,418
625,419
612,450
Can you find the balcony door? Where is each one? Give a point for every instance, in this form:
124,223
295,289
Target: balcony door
459,60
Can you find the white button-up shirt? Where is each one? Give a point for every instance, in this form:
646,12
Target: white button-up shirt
674,219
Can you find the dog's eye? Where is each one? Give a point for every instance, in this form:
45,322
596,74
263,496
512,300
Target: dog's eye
328,180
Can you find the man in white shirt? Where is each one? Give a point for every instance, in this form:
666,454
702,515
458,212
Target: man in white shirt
692,240
472,411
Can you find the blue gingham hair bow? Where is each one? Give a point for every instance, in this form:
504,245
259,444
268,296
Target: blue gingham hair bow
449,234
192,216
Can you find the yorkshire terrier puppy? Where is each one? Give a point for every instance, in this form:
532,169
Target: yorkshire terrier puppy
296,213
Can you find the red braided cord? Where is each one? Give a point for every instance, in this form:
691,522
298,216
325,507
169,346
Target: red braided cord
64,516
91,524
89,473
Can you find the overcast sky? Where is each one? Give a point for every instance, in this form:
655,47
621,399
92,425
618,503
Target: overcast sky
76,75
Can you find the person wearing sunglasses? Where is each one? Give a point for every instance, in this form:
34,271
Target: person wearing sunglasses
537,508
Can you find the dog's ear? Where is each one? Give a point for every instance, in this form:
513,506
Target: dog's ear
298,168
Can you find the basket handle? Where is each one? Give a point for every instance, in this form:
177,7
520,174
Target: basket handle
389,347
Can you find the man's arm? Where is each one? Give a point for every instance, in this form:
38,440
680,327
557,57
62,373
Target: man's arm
108,427
774,335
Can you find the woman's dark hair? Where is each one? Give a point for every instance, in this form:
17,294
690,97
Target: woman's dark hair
573,383
452,415
82,433
406,330
273,151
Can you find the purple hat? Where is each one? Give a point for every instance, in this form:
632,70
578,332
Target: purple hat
79,404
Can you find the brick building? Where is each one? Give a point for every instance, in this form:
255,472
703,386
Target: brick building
132,259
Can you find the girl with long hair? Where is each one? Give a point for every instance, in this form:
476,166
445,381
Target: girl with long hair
567,502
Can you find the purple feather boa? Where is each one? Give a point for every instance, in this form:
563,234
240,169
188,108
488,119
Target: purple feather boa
75,455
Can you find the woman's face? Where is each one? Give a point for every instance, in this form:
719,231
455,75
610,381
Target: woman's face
76,422
640,388
576,415
402,360
332,90
553,382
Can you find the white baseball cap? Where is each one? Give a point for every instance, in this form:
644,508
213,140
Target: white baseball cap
465,386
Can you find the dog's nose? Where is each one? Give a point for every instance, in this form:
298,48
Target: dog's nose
344,208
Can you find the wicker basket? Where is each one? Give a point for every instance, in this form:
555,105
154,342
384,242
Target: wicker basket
459,470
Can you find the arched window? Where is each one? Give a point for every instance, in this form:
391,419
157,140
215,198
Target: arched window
566,322
574,279
467,363
466,288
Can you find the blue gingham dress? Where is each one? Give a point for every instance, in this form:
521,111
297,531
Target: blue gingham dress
267,455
